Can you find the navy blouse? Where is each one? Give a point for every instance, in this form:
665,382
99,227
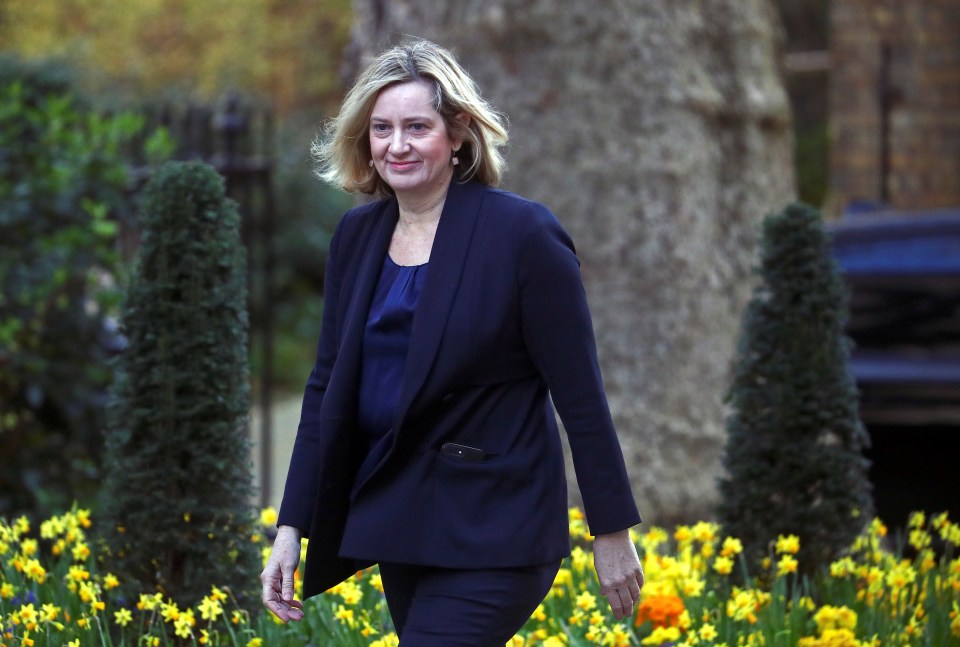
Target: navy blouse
386,341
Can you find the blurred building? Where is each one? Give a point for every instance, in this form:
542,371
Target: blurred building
895,102
892,78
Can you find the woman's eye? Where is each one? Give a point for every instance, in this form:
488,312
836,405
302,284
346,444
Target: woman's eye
379,128
418,128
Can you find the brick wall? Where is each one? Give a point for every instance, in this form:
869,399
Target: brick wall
923,147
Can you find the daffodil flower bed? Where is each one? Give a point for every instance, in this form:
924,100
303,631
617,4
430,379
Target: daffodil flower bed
52,593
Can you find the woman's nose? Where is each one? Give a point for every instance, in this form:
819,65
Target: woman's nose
398,142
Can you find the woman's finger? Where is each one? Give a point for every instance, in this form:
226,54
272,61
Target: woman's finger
616,603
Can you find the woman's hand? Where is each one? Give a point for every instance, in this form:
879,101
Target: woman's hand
277,575
619,571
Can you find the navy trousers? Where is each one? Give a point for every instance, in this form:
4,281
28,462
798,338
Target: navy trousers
440,607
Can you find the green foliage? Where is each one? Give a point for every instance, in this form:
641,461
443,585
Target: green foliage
63,190
177,497
794,455
307,211
207,46
55,593
811,159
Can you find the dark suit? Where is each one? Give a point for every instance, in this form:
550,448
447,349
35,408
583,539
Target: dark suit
501,328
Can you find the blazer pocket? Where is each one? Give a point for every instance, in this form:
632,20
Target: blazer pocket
479,501
465,453
494,476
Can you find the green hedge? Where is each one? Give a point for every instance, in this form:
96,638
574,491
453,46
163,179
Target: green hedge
63,189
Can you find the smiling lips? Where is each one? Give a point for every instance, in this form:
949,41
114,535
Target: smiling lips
402,166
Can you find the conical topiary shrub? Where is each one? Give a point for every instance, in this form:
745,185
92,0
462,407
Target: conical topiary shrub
178,494
794,455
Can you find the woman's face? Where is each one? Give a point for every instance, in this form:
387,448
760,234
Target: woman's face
409,142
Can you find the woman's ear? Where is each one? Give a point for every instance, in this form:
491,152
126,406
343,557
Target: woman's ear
464,120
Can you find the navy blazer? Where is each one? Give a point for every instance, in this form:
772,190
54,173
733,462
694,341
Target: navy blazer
501,334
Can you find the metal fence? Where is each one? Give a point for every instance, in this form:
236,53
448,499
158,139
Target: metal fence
236,137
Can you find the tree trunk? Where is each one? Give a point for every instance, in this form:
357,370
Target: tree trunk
659,133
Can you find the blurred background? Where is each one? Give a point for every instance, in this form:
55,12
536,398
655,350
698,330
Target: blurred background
660,133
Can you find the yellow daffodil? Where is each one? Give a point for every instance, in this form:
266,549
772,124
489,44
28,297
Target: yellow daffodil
81,551
83,518
539,614
78,573
787,544
704,532
210,608
578,525
183,625
169,611
918,592
35,571
830,617
707,631
122,617
586,601
723,565
786,565
344,615
268,517
661,635
390,640
349,591
149,602
50,612
580,559
28,616
28,547
731,547
692,587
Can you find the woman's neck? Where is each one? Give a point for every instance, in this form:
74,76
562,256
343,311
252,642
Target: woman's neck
419,218
422,208
421,214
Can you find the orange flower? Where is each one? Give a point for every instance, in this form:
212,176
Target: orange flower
661,610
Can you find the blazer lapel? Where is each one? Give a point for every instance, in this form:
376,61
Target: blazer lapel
447,258
355,319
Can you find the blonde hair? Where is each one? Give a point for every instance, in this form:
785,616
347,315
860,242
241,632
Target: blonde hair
342,151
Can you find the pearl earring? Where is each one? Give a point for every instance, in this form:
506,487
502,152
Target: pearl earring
454,160
370,163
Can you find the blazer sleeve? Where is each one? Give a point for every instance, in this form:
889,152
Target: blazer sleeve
558,331
299,492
